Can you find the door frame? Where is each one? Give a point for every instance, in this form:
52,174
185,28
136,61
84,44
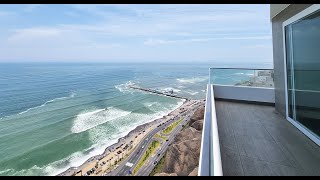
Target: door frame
289,21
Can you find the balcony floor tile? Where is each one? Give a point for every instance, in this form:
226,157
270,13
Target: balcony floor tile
256,140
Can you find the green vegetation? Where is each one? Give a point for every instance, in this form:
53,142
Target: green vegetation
159,167
159,136
151,149
170,128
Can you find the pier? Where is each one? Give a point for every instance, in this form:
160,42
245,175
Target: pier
157,92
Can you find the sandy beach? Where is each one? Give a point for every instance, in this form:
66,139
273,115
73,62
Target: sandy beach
113,154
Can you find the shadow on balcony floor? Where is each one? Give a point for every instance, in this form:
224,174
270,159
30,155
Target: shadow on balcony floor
256,140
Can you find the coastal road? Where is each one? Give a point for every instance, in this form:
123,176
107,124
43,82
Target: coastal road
135,156
150,164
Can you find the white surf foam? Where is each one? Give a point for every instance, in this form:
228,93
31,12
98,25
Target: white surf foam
248,74
5,171
125,87
192,93
192,80
42,105
57,167
50,101
239,73
149,104
154,106
88,120
173,89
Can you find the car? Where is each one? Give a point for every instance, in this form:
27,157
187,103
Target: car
167,140
159,154
155,162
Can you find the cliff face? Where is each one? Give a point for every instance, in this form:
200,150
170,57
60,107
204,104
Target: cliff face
182,157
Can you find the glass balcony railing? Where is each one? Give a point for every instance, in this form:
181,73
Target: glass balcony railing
242,77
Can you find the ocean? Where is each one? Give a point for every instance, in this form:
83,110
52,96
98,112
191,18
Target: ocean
57,115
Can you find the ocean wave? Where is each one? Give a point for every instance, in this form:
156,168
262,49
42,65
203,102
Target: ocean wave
125,87
88,120
182,87
170,88
192,93
248,74
154,106
149,104
42,105
57,167
4,172
192,80
24,172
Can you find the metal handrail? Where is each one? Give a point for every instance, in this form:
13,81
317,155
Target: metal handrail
210,158
204,160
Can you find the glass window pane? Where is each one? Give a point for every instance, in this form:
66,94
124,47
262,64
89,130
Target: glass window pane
303,71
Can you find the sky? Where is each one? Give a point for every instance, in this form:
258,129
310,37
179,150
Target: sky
135,33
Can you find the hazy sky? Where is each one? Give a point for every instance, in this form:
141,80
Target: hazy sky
114,33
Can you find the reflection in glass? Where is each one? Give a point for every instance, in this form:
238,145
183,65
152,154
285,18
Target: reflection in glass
303,71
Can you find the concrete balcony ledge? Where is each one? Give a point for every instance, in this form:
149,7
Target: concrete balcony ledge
245,93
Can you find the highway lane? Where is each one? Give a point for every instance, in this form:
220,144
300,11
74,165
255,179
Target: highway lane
122,169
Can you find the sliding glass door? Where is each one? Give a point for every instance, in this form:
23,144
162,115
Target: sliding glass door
302,44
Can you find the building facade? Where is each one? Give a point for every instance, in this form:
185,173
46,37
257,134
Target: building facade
296,55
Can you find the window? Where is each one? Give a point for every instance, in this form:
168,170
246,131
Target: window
302,45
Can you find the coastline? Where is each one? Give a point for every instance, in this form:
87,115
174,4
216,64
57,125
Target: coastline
142,129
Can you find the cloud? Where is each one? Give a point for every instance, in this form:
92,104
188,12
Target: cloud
6,14
152,42
33,33
32,7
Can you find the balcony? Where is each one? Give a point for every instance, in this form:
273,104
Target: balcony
243,134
